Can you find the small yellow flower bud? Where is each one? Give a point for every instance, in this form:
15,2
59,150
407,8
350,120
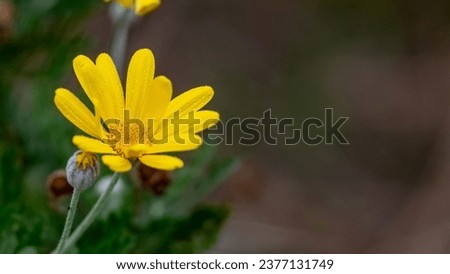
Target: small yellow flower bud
140,7
82,170
146,6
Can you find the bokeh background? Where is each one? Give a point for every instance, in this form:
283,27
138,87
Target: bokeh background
385,64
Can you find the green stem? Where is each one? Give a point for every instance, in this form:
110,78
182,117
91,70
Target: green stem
92,215
122,22
69,221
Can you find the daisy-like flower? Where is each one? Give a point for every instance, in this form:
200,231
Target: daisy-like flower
140,7
139,124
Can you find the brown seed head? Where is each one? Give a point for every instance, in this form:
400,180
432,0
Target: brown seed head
57,185
7,16
153,179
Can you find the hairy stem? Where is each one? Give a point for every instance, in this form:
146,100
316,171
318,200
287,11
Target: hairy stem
92,215
69,221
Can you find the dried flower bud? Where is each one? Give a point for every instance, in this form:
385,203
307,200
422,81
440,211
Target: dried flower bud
57,185
7,16
153,179
82,170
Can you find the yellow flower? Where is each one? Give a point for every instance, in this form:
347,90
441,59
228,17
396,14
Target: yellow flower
140,124
141,7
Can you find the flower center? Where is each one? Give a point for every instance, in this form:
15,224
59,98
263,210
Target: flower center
122,136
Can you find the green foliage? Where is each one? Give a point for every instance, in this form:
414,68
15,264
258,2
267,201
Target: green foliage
193,233
190,234
32,61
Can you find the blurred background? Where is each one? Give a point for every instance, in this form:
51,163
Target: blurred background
385,64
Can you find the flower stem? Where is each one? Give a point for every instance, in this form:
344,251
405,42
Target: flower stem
69,220
122,19
92,215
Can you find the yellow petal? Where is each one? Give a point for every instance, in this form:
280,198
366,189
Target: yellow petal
139,77
108,70
76,112
79,66
95,86
163,162
191,100
138,150
155,101
208,118
172,145
145,6
116,163
191,123
92,145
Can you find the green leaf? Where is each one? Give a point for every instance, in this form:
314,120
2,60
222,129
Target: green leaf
195,233
112,235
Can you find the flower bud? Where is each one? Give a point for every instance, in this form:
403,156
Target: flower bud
146,6
57,185
7,18
82,170
155,180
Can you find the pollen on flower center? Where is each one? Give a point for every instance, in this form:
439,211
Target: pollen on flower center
123,135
